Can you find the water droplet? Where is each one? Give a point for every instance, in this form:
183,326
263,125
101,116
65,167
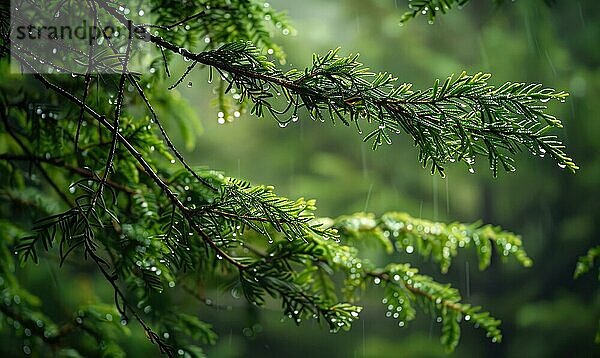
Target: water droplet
190,84
283,124
141,12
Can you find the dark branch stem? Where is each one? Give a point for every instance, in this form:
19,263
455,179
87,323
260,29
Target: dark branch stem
58,162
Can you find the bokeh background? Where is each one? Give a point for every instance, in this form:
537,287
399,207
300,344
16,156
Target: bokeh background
545,312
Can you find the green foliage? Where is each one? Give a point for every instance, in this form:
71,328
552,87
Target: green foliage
440,241
457,120
585,264
430,8
100,184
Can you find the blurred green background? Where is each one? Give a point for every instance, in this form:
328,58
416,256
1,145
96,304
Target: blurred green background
545,313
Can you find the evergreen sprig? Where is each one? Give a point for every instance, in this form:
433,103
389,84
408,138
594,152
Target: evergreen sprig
456,120
430,8
441,242
584,265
